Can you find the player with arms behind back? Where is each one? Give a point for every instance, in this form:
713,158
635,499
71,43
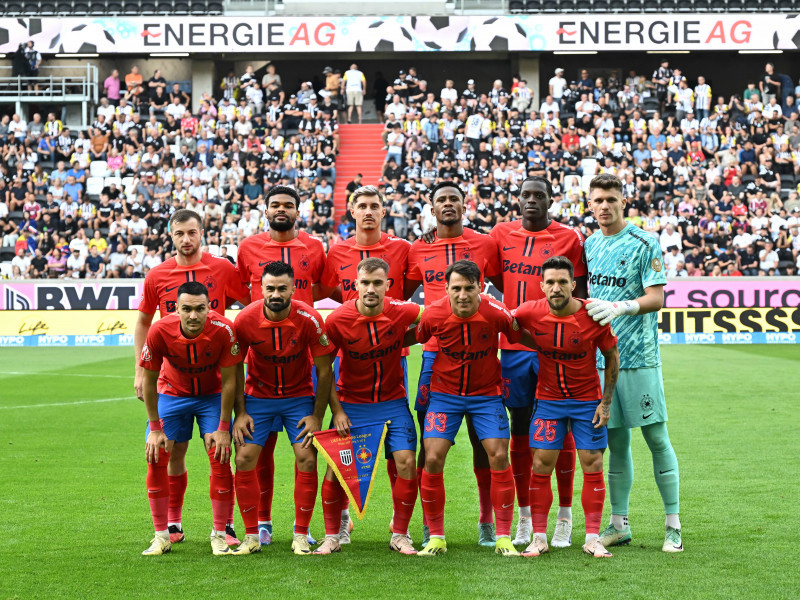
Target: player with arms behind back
568,395
427,263
626,285
189,362
524,245
466,381
370,332
221,280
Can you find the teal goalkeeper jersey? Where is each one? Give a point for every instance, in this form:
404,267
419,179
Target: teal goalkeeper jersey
620,267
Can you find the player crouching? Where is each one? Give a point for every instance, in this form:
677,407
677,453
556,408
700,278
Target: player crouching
370,331
200,356
567,396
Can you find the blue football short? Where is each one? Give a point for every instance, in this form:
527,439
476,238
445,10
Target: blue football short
552,419
424,383
445,413
520,376
402,431
267,412
178,414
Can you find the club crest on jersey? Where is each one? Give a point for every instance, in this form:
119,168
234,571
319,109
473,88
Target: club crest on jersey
146,354
485,333
546,251
210,283
304,263
385,259
390,332
575,339
646,403
623,261
293,340
363,455
467,254
235,349
346,456
656,264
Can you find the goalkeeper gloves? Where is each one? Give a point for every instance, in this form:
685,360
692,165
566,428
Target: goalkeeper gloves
605,311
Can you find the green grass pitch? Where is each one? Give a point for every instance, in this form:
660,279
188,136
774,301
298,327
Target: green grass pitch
75,515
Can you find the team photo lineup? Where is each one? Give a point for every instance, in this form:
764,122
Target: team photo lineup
563,368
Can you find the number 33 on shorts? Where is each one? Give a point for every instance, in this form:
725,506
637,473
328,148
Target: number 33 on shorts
437,421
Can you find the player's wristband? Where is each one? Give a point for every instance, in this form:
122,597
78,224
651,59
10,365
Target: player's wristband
156,426
631,307
224,426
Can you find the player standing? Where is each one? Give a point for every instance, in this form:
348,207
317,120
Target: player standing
367,208
466,380
221,279
282,338
427,263
189,370
523,246
370,332
626,283
568,396
306,256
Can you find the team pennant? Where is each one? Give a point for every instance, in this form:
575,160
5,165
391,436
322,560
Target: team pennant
353,459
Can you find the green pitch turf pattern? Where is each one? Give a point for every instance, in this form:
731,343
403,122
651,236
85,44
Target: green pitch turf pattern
75,515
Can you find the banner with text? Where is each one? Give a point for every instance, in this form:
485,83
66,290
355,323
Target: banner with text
249,34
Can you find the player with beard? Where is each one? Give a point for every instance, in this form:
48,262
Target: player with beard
427,263
339,280
524,245
306,256
221,279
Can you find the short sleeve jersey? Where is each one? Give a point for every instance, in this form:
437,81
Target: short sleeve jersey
428,262
567,350
160,291
620,267
279,354
467,364
343,258
305,255
522,253
190,366
370,368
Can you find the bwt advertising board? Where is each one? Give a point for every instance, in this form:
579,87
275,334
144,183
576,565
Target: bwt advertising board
515,33
696,311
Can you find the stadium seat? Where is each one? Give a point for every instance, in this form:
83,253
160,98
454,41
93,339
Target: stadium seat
216,8
197,7
787,5
94,185
5,270
685,6
148,8
550,6
617,6
13,8
97,7
586,179
588,165
213,249
31,7
48,8
140,250
181,7
634,6
109,180
126,182
651,6
601,6
533,6
670,6
583,6
233,250
114,7
514,7
717,6
748,178
98,168
787,181
130,8
567,6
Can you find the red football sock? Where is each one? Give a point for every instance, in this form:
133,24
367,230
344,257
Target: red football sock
432,493
232,505
158,491
404,497
521,462
177,490
331,506
247,493
265,470
305,496
593,496
221,491
419,484
503,500
484,477
541,501
391,469
565,471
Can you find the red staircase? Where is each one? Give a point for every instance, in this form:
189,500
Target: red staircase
360,151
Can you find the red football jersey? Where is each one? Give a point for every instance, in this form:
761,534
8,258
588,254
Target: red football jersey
190,366
280,353
217,274
522,253
568,350
467,364
370,369
304,254
343,258
428,262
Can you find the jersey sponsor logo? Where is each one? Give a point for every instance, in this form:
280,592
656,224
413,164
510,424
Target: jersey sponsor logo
656,264
521,268
432,275
226,326
281,360
376,353
195,370
634,234
607,280
558,355
350,285
313,319
465,355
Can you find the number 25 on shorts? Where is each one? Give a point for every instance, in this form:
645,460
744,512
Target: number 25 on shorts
549,428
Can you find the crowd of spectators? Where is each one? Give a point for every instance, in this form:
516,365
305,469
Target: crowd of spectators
714,179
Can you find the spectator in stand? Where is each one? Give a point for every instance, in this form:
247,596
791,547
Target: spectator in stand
354,86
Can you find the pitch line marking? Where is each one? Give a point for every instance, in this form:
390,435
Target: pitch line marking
67,375
98,401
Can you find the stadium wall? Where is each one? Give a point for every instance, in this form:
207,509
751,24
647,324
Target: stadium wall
704,311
